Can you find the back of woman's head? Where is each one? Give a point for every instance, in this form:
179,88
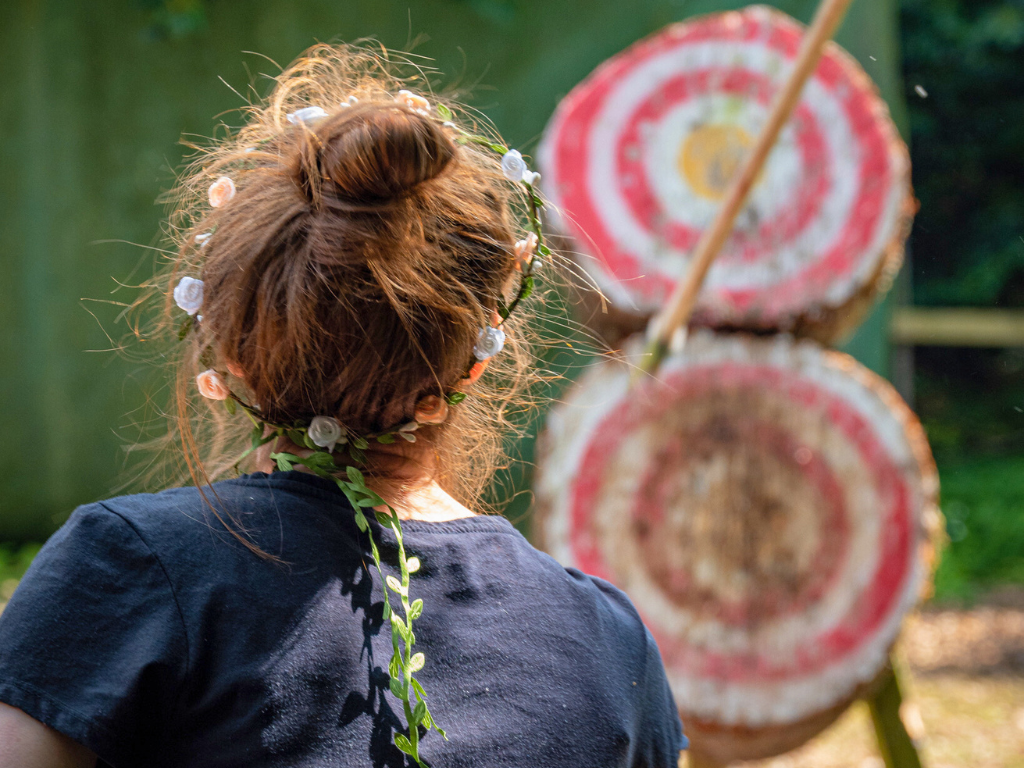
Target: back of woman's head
350,249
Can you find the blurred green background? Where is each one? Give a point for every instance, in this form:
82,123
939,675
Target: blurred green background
95,97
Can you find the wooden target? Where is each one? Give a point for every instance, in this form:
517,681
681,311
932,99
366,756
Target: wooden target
766,505
638,157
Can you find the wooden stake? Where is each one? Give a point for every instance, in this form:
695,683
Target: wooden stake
677,311
895,744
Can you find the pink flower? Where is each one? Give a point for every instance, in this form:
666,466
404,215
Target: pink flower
413,101
236,370
476,372
211,385
221,191
525,249
431,410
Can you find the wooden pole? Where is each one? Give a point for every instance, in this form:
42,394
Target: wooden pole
957,327
895,744
690,759
677,311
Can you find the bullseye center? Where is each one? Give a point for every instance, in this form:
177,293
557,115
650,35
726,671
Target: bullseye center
733,526
710,156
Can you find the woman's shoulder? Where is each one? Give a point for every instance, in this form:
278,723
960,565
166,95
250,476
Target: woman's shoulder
254,531
578,586
490,552
242,500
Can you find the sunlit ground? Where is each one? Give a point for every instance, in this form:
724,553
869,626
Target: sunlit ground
964,695
966,722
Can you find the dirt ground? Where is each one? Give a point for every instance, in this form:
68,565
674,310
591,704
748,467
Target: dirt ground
963,684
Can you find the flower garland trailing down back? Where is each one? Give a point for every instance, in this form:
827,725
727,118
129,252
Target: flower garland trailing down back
323,435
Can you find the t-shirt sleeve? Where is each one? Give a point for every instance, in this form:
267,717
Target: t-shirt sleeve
92,643
661,727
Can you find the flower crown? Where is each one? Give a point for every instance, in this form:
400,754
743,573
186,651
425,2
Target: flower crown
323,434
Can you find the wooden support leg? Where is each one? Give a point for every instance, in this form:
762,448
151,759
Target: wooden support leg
894,742
689,759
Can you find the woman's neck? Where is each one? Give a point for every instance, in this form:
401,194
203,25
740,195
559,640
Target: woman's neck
410,484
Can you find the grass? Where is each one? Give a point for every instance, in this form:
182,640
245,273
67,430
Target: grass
971,402
14,561
983,501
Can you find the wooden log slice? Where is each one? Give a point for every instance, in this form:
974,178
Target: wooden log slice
639,155
767,505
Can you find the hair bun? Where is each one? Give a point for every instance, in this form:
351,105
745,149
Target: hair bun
373,153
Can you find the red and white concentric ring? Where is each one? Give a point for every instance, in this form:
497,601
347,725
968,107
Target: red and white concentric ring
829,201
622,479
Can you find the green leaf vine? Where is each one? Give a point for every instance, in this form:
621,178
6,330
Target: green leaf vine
404,662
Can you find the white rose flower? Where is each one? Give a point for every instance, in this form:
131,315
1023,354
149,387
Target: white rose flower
531,177
325,431
513,165
306,115
188,294
489,343
202,239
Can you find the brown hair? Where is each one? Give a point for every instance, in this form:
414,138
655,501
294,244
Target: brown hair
351,273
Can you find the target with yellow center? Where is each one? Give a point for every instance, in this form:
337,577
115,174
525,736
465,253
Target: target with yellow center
639,156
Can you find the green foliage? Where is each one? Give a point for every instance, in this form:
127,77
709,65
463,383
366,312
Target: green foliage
15,559
971,402
967,149
967,146
984,506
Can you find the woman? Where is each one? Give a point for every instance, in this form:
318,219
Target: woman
348,266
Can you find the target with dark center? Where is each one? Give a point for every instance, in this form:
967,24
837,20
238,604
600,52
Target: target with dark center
762,503
638,157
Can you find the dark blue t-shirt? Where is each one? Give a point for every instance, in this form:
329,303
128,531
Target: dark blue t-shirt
148,633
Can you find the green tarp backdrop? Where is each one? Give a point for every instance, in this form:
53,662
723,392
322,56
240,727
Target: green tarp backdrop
93,101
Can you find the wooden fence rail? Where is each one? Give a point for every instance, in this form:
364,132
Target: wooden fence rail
918,326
